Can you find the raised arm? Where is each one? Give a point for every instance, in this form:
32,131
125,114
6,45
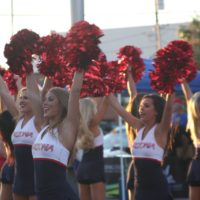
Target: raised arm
7,99
127,116
164,126
131,87
35,98
70,126
46,86
167,114
132,91
101,110
186,91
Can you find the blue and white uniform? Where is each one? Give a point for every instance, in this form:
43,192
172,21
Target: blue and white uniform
193,178
22,139
50,162
91,167
150,183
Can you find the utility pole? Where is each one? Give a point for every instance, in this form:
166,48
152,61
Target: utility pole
77,11
12,17
157,27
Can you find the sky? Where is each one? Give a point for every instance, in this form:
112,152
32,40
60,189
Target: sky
43,16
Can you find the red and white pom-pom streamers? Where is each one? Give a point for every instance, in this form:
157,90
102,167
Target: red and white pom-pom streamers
131,56
19,51
93,83
189,71
114,77
51,53
82,42
172,64
10,80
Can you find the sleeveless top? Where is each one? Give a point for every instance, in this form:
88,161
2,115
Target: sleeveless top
50,148
25,135
22,139
98,140
147,148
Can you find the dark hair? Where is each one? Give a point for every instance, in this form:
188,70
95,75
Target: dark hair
7,126
159,104
132,107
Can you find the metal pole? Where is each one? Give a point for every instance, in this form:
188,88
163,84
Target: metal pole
157,27
121,150
77,11
12,18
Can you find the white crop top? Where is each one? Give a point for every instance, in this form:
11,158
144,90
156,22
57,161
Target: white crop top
147,147
25,135
98,141
50,148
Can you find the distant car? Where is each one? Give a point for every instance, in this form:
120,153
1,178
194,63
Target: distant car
116,138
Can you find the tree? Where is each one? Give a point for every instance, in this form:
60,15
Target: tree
191,33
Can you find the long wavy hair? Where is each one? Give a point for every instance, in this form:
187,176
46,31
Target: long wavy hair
193,109
63,97
132,107
85,138
159,104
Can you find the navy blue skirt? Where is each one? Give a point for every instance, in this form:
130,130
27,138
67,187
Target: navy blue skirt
24,172
193,177
150,182
91,168
51,182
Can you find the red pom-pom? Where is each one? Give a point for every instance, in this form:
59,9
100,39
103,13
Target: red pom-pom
51,53
19,51
183,45
162,82
114,77
189,70
10,80
82,44
172,64
93,84
131,56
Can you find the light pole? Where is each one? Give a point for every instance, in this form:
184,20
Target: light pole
157,27
122,181
12,17
77,11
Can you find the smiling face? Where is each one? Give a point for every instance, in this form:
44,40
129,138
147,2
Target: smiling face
51,106
147,110
24,103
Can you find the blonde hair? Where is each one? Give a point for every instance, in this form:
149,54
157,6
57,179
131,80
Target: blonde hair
85,136
23,89
193,124
63,97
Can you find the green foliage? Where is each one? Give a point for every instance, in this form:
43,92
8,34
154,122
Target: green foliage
191,33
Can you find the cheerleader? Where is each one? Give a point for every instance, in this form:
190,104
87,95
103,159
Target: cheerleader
90,172
152,129
193,125
7,125
132,107
54,144
23,137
